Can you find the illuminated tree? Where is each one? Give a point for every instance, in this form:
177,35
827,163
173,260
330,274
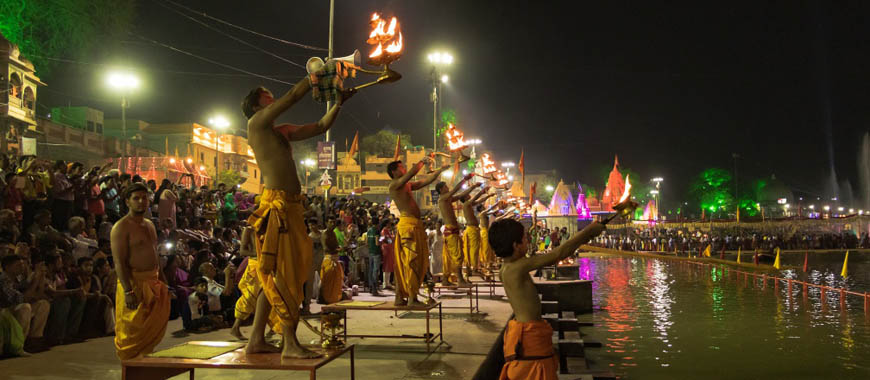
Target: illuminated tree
45,30
711,189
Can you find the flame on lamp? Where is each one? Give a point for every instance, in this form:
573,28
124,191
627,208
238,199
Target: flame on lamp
488,163
381,36
627,192
455,138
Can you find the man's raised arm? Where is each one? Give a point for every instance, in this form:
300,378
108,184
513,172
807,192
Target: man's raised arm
481,196
307,131
467,191
272,111
458,186
410,173
429,179
567,247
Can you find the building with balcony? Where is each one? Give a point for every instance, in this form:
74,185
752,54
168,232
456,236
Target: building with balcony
18,90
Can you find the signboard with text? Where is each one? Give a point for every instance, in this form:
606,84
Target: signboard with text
325,154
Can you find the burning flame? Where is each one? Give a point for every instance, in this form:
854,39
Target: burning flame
487,163
381,37
627,192
500,179
455,138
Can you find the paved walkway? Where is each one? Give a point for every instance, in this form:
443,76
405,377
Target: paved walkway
386,359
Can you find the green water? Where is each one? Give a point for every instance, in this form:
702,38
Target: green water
666,319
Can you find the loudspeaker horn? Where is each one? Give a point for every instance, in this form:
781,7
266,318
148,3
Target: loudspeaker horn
316,63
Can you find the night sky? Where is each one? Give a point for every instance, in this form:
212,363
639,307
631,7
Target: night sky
672,89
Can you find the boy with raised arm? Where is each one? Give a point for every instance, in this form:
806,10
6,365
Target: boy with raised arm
452,243
412,247
282,242
528,344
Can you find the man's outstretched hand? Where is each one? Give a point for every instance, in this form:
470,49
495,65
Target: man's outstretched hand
346,94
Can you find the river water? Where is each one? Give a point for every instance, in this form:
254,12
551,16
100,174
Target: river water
670,319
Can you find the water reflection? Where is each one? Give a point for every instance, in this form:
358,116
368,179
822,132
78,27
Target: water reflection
662,318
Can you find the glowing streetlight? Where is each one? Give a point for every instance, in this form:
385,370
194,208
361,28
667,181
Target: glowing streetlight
218,123
812,207
851,210
827,208
123,82
445,78
438,59
447,173
654,192
549,188
840,209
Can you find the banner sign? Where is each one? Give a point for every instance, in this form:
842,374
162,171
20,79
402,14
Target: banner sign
325,150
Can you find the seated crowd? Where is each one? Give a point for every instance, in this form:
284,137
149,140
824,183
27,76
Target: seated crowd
58,284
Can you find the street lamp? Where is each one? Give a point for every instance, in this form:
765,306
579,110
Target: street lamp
437,59
308,164
508,165
473,143
549,188
218,123
658,181
123,82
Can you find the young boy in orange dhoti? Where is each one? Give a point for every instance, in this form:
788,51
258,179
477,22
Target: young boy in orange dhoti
528,344
331,274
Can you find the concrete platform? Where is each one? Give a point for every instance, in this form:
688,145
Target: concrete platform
469,335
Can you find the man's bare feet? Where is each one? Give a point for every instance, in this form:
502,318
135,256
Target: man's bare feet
463,283
237,332
294,350
400,301
414,302
260,346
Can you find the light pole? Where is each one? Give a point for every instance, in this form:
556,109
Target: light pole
308,164
507,165
474,143
658,181
437,59
219,123
123,82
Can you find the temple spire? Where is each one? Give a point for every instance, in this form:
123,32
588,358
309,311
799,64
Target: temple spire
615,161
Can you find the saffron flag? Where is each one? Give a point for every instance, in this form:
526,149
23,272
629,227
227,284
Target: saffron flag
532,193
707,250
398,148
845,272
354,146
522,166
776,261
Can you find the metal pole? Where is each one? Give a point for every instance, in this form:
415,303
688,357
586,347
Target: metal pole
434,118
124,122
217,161
331,21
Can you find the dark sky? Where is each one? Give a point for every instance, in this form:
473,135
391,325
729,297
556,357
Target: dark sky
671,88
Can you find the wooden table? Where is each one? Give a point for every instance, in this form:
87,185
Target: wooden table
163,368
468,291
390,306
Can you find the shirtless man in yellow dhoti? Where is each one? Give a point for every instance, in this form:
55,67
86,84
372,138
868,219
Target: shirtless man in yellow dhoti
282,242
412,246
142,299
452,243
472,230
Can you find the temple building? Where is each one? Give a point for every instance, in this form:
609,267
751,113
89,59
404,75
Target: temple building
614,189
562,202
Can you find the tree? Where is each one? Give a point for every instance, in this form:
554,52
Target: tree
712,190
230,178
45,30
383,143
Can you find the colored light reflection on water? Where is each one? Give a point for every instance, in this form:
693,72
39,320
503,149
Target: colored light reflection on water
667,319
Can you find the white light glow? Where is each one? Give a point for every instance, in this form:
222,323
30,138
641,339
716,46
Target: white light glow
122,81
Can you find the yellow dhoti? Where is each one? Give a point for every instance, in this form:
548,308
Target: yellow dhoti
138,331
249,286
331,279
281,234
472,246
452,250
486,254
412,256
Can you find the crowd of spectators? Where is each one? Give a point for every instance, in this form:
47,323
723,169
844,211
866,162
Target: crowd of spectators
58,283
681,240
